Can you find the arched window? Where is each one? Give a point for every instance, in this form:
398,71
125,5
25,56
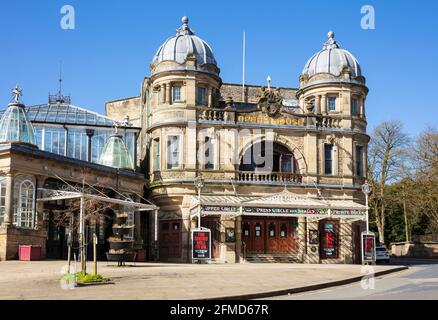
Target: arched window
272,157
2,198
24,205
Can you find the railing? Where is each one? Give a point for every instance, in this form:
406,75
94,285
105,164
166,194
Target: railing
252,176
329,122
211,114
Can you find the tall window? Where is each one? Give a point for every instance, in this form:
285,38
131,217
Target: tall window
176,93
156,154
331,104
208,154
173,152
54,140
328,159
354,107
2,198
359,161
201,96
24,210
77,144
98,141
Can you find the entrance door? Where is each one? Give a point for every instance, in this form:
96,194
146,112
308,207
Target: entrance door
272,241
258,238
270,235
170,239
213,223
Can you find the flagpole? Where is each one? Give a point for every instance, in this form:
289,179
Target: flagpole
243,67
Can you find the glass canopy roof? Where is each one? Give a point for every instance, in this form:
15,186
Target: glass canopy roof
115,153
65,114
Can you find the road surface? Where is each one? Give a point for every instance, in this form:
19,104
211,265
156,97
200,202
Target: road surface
420,282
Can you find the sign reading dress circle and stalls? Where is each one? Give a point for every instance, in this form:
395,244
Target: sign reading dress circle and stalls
201,244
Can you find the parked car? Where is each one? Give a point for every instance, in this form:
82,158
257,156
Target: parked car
382,254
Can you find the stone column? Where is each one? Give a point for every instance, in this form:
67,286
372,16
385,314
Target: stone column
318,105
163,93
238,233
302,232
346,243
210,96
324,104
9,200
362,107
169,93
40,205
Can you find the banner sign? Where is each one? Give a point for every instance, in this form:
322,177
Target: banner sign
229,209
201,244
368,247
348,213
285,211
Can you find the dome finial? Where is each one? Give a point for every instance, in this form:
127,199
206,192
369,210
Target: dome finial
185,27
17,93
331,42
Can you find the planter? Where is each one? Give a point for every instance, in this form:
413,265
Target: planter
121,231
120,257
121,245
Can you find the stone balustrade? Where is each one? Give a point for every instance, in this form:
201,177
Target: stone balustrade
251,176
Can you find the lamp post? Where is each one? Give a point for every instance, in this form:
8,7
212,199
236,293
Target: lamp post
366,189
199,184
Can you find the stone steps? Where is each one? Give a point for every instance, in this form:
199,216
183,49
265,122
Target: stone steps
272,258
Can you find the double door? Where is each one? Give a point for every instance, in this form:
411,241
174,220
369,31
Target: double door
269,235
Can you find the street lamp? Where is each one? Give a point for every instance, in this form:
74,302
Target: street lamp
199,184
366,189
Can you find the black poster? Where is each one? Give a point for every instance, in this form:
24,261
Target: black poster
201,244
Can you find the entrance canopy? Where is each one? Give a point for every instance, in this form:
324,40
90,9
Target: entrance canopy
283,204
51,195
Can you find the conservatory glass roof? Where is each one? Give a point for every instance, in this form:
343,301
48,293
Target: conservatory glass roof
66,114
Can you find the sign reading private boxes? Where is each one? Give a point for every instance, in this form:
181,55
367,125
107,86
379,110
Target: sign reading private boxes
201,240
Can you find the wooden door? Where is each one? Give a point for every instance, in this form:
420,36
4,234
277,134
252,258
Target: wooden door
285,236
272,241
213,223
170,239
258,238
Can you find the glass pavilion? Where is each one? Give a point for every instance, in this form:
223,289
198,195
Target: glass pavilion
75,132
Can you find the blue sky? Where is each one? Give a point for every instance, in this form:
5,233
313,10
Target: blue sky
108,54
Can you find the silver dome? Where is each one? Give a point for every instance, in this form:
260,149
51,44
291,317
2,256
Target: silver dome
185,43
332,59
14,124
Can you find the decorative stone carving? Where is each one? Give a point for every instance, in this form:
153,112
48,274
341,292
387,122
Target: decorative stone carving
270,102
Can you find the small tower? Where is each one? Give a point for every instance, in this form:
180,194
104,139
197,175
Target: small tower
14,124
115,153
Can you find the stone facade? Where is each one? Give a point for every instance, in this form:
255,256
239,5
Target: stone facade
301,123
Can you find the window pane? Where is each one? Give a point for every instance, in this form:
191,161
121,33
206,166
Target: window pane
156,154
328,148
331,104
173,152
201,96
354,107
208,154
359,161
176,93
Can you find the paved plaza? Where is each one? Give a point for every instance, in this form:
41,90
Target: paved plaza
41,280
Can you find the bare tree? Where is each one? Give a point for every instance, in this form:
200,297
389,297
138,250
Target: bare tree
387,157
